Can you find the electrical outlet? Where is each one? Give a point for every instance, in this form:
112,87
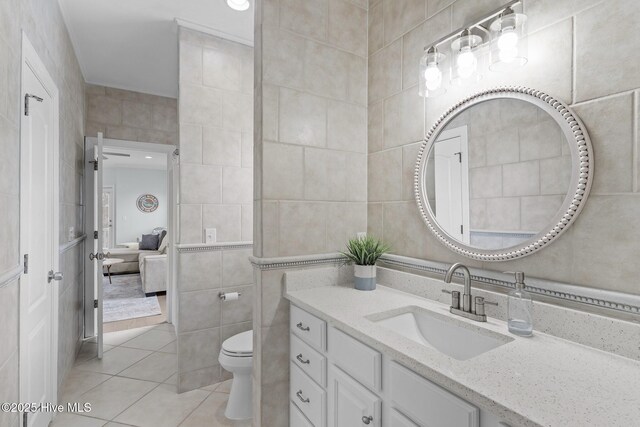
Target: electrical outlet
210,235
72,234
361,234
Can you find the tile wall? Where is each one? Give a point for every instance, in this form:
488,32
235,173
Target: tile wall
311,172
216,191
580,53
133,116
44,26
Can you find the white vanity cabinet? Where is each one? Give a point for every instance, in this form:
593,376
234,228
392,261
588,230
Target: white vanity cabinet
338,381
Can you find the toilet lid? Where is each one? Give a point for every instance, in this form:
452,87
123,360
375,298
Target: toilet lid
239,344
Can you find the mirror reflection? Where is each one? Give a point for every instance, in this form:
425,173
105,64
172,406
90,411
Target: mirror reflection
498,173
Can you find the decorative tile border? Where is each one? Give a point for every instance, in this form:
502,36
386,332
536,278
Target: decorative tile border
619,301
296,261
10,276
627,303
75,242
199,247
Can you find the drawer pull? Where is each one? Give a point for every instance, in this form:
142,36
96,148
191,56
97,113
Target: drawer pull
302,328
299,357
302,398
367,420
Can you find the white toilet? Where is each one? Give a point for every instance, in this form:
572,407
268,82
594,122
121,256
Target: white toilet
236,356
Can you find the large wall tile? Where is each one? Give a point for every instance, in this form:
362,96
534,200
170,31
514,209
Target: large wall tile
325,174
197,350
237,185
403,118
199,310
190,63
485,182
521,179
303,118
236,267
222,69
537,212
308,18
346,127
603,45
200,105
277,66
199,271
464,11
610,125
345,221
375,127
376,28
240,310
326,70
191,224
283,172
226,219
137,114
103,109
385,175
385,71
221,147
346,24
401,16
302,228
200,183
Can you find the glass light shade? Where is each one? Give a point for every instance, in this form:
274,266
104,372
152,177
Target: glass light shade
508,41
431,73
467,59
240,5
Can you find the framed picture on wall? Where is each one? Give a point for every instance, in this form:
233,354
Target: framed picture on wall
147,203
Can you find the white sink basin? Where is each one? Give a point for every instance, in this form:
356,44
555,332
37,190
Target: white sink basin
449,336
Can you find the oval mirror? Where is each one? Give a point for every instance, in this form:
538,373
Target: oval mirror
503,173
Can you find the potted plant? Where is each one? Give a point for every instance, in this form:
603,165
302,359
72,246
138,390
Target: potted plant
364,252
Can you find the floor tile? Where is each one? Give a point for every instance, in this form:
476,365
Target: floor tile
173,380
78,382
73,420
151,340
157,367
172,347
114,361
115,395
120,337
224,387
165,327
211,413
114,424
163,407
89,350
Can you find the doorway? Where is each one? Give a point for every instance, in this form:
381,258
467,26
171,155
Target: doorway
128,284
39,235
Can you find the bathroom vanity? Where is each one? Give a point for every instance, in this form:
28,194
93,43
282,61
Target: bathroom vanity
388,358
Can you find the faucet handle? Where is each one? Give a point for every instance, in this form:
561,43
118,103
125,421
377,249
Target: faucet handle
519,275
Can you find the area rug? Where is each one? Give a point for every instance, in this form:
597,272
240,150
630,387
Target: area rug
125,299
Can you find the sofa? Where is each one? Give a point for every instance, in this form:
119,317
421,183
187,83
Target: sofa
153,272
131,259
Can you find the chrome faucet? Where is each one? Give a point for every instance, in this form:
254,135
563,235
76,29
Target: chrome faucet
472,308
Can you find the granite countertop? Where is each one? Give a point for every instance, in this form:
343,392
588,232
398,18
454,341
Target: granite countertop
537,381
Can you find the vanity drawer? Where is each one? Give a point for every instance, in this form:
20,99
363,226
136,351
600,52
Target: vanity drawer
310,361
296,418
399,420
358,360
308,396
427,403
308,327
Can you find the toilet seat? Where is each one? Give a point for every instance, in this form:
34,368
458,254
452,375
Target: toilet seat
240,345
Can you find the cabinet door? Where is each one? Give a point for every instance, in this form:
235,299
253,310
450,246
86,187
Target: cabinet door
350,403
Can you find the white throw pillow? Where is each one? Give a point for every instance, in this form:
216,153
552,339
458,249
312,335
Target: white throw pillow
163,245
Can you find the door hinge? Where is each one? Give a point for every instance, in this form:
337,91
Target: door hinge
24,419
461,229
95,303
28,96
95,235
459,154
26,263
95,164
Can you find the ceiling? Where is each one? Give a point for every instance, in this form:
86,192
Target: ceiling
133,159
133,45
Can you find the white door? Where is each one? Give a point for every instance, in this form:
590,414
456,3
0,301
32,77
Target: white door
452,183
350,403
38,236
108,212
97,256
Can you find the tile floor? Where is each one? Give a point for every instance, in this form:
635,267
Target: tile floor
134,385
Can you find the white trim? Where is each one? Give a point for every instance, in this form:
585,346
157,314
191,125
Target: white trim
219,246
30,56
212,31
64,247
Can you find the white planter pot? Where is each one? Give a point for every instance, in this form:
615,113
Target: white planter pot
365,277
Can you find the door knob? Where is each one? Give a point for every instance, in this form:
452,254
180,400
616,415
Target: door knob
54,276
367,420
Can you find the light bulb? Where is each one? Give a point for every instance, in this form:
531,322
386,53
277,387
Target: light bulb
466,63
432,77
240,5
508,40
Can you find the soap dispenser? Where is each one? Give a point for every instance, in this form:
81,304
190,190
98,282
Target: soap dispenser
520,309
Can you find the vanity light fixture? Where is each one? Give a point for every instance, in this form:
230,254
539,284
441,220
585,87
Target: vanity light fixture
467,64
240,5
430,77
508,41
148,157
500,35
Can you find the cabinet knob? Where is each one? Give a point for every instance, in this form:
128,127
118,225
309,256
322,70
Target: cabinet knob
367,420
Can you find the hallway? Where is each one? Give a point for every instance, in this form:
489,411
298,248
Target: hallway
134,385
